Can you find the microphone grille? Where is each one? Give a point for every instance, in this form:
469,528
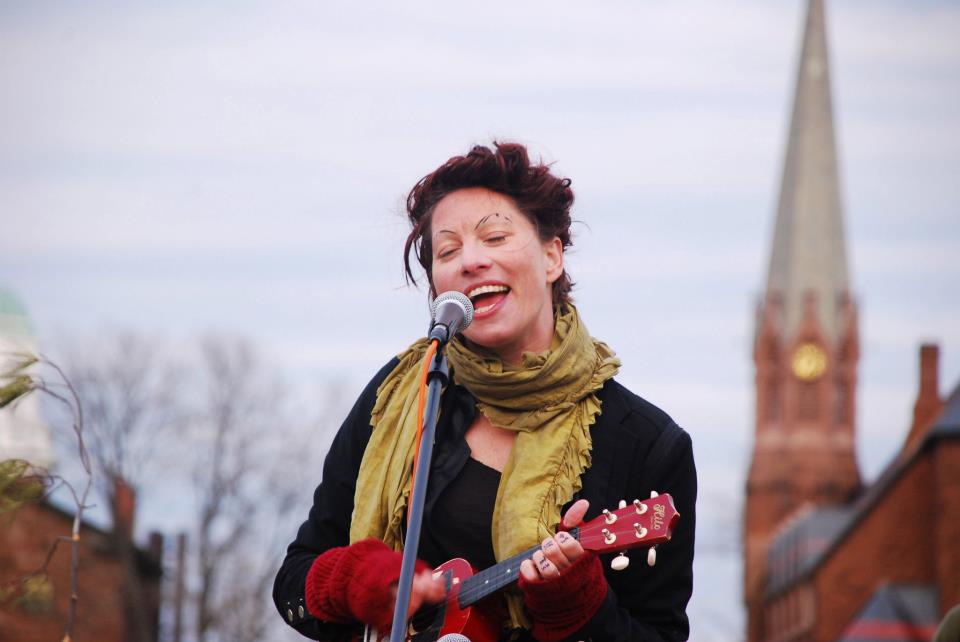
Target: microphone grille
461,299
454,637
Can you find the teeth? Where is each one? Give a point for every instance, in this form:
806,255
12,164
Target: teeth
487,289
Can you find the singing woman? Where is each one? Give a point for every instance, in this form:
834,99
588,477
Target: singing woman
535,435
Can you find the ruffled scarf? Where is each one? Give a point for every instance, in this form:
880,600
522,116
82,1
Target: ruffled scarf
549,399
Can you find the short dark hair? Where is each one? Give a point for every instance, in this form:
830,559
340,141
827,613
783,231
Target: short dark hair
506,169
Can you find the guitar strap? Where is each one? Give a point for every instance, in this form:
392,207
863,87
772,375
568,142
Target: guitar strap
654,466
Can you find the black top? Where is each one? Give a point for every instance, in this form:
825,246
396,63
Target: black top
636,448
460,523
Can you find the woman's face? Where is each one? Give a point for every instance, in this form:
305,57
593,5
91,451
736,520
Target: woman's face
486,248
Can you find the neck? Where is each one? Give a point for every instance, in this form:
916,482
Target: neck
540,339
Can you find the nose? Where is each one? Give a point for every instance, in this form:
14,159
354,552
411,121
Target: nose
473,257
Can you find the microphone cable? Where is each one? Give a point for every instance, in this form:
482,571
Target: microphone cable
421,402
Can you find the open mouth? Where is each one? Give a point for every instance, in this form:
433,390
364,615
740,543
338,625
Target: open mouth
485,297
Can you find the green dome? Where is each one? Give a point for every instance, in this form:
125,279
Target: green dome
13,315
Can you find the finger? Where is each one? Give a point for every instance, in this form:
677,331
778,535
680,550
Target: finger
575,515
529,571
419,593
547,569
427,587
570,546
436,587
553,552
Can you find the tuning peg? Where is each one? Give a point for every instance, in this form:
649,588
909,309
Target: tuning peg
608,516
653,494
641,508
652,556
608,537
641,531
620,562
622,504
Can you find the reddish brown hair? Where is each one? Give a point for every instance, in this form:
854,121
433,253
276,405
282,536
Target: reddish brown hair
506,169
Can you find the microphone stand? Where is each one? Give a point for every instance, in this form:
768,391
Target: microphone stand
437,377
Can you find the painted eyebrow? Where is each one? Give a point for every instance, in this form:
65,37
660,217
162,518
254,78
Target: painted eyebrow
484,219
478,225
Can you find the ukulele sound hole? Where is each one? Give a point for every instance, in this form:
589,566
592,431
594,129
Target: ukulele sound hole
423,619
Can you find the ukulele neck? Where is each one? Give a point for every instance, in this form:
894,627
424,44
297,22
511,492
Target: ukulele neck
491,580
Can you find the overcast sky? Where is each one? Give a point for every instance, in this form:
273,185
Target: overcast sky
174,168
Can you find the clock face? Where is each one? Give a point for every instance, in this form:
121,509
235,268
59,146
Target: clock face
809,362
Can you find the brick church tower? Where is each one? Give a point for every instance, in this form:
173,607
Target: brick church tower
806,338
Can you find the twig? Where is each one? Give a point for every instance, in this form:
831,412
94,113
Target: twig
76,410
44,568
78,517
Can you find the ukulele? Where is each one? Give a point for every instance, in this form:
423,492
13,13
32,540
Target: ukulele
642,523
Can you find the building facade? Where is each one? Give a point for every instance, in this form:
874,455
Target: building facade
118,583
816,542
110,569
885,566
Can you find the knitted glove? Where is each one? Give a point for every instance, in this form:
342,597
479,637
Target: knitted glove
355,584
562,606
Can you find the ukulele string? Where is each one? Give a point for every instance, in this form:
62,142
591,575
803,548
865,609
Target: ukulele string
487,581
473,591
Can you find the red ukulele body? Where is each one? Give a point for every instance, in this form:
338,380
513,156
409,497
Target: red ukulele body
468,611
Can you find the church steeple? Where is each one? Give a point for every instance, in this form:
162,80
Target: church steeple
809,254
806,341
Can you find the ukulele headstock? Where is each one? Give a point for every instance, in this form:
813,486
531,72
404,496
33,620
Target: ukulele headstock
641,523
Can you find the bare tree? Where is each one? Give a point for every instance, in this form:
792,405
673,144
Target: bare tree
240,436
129,389
234,440
15,384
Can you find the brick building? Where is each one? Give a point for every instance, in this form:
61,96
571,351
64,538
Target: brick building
887,565
826,559
119,585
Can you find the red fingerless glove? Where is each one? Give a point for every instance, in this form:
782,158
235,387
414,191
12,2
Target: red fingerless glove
560,607
354,584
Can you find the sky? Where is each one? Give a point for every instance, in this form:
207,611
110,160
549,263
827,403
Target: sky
177,168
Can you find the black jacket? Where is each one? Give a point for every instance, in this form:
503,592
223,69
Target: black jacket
636,448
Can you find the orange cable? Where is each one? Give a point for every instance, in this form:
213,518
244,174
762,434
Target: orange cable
421,402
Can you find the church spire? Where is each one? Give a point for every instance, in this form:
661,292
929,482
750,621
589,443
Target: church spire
809,254
806,344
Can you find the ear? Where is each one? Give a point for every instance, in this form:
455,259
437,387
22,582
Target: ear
553,253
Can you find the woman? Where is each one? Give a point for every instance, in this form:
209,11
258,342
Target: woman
532,428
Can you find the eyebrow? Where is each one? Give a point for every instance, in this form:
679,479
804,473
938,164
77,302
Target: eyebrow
484,219
479,223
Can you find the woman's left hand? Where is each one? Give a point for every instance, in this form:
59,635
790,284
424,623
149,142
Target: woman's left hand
557,553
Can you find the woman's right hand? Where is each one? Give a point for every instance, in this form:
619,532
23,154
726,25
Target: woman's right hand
426,589
358,583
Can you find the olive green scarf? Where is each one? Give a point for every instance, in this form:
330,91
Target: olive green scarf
549,399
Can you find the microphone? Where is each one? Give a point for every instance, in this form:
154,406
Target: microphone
452,313
454,637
